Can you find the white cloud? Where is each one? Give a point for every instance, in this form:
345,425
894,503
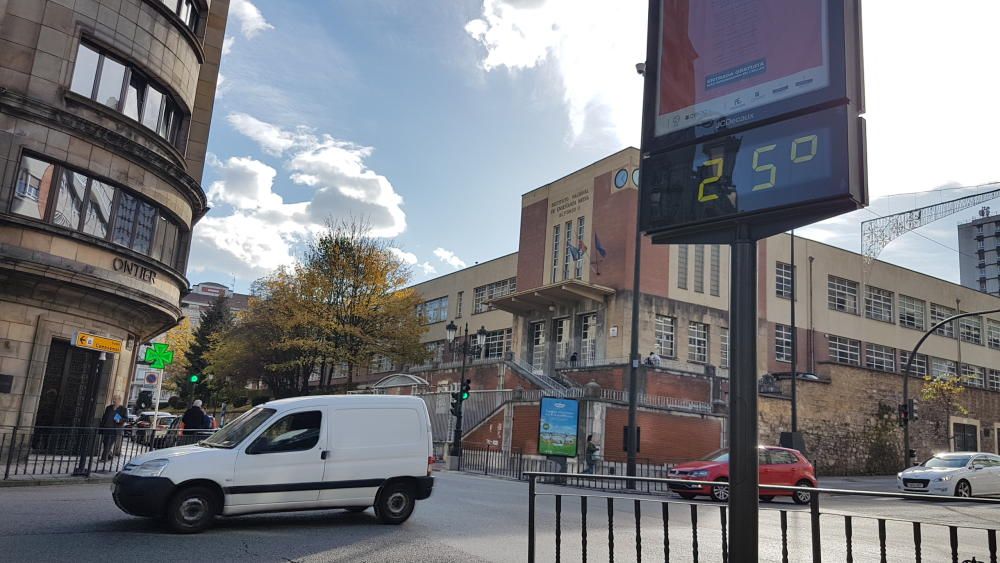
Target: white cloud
227,44
249,17
427,268
407,258
594,48
330,178
449,257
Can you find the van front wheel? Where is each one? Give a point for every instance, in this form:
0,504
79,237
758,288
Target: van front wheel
394,504
191,510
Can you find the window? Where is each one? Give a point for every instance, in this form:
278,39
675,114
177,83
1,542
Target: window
555,253
882,358
699,268
486,293
665,336
588,338
567,255
723,347
697,342
106,80
993,380
186,10
974,376
971,330
713,283
942,368
842,295
919,367
782,343
878,304
80,203
381,364
458,307
783,280
993,334
434,311
538,345
293,433
940,313
845,350
912,312
497,343
578,271
563,340
966,437
782,457
682,266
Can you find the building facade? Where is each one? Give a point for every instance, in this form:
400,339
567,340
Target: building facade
566,298
202,295
979,245
105,108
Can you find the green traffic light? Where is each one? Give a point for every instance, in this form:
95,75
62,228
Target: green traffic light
195,378
465,395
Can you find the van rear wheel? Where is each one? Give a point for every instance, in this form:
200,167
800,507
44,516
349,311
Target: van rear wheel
191,510
394,503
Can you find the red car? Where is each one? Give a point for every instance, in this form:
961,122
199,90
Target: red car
778,466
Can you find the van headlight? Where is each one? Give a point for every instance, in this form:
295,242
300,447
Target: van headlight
151,468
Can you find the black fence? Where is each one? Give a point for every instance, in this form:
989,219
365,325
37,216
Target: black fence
665,528
41,451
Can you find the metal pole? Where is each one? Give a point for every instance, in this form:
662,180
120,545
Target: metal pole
909,366
743,477
633,372
795,345
456,441
86,450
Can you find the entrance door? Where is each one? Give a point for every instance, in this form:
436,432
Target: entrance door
966,437
66,385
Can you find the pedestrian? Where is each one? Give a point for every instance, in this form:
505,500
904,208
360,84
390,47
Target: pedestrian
591,454
572,360
112,421
194,418
653,360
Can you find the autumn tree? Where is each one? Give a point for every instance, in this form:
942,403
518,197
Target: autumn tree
179,339
214,320
940,399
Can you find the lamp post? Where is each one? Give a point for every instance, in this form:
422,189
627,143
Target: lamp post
450,331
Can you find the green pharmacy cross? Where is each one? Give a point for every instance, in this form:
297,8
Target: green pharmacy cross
159,356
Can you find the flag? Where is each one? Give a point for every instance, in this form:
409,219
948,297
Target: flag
580,246
573,251
597,245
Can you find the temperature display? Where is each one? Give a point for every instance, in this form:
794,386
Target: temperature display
800,160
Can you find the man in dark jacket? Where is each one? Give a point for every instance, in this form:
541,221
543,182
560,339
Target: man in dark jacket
112,421
195,418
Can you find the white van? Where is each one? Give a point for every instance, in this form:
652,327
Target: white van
336,451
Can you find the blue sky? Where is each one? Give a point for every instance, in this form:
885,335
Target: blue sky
432,118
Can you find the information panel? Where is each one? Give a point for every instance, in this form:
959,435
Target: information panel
721,57
557,426
803,160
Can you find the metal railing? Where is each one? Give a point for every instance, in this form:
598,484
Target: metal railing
700,537
58,450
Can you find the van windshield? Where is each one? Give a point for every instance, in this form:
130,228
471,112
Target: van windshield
236,431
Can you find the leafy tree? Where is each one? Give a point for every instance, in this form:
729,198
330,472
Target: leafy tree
216,319
940,399
179,339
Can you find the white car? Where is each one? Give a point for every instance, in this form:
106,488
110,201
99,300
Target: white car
338,451
960,474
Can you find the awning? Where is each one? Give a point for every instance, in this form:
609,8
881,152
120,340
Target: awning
540,298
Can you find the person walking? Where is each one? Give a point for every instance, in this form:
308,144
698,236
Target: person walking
112,421
591,454
194,418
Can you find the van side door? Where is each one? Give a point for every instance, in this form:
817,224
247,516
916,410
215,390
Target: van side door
369,445
283,464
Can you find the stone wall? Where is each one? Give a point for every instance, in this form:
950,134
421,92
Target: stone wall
849,420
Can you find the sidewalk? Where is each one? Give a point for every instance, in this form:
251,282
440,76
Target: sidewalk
60,479
872,483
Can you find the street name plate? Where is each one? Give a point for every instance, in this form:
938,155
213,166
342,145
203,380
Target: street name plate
99,343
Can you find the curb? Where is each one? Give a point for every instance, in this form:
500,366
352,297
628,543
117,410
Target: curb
59,481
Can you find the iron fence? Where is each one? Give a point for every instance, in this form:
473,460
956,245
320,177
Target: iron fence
661,528
59,450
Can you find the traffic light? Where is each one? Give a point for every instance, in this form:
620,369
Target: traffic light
456,403
903,413
911,410
194,378
465,389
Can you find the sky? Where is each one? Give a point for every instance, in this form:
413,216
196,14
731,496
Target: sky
429,120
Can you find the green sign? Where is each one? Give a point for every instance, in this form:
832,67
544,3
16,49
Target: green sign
159,355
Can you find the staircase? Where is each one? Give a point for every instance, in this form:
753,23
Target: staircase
536,376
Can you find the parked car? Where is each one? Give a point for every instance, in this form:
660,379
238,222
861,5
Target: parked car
777,466
143,428
321,452
176,436
960,474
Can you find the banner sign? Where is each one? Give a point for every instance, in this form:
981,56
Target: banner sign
557,426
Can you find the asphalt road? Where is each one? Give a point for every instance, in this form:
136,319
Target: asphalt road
468,518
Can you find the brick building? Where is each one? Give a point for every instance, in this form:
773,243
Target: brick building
105,110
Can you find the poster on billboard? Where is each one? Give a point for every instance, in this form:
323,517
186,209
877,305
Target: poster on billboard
557,426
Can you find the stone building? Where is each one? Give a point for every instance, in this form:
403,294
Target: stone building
565,297
105,108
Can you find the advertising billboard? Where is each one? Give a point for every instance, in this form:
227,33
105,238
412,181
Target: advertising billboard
557,426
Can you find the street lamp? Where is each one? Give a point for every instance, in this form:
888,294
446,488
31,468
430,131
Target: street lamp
451,330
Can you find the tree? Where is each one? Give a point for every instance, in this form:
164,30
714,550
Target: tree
940,399
179,339
216,319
